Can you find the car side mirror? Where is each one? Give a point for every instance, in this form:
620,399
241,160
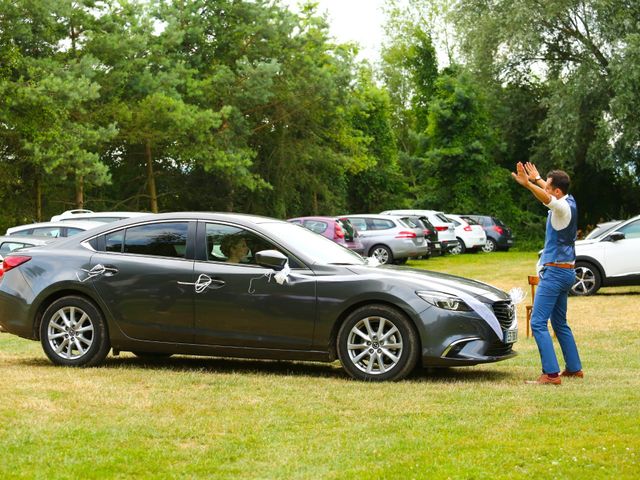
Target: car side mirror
271,259
615,236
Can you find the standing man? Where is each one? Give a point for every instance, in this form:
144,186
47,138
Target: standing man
557,273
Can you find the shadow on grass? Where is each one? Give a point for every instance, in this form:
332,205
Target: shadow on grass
226,366
618,294
231,366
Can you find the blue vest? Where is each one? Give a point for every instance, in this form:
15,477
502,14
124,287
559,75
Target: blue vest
559,245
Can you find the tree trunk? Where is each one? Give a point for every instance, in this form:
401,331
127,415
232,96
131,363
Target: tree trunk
80,192
38,199
151,180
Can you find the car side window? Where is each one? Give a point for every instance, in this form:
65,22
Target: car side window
114,241
158,239
379,224
53,232
73,231
229,244
359,223
631,230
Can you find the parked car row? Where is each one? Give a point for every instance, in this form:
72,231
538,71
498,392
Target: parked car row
393,236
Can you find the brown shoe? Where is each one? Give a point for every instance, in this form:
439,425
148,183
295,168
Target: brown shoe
567,373
545,379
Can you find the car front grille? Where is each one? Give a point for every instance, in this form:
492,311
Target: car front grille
504,312
499,349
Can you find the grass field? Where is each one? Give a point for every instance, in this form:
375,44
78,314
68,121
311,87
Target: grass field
191,417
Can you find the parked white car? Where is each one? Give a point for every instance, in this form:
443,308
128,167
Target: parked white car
611,259
89,215
53,229
444,226
469,233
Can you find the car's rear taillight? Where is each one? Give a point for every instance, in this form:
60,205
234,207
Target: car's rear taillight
467,228
12,262
406,234
442,228
498,229
337,231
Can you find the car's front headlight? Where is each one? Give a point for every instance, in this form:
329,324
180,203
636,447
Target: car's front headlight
444,300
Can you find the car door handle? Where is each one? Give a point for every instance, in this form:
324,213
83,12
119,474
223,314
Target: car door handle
204,282
110,270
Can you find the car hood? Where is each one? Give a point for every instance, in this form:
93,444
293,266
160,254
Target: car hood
435,281
586,242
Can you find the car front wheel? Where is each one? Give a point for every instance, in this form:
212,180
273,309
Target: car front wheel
73,333
588,280
377,343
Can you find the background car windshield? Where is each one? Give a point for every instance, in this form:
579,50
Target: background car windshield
320,249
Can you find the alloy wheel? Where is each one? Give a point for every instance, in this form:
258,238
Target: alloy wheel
70,332
585,281
374,345
490,246
381,254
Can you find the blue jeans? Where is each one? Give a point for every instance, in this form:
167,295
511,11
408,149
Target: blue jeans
551,304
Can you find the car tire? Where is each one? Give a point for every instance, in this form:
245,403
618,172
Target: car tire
152,355
461,248
382,253
73,333
588,280
358,354
490,246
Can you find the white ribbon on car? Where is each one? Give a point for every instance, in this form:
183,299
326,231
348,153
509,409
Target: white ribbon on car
96,271
281,277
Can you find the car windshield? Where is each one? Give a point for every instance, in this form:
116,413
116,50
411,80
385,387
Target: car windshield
602,229
320,249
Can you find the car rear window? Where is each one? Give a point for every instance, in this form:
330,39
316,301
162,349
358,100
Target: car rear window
7,247
317,226
442,218
159,239
469,220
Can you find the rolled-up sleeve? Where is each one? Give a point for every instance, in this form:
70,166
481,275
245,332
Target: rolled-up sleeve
560,213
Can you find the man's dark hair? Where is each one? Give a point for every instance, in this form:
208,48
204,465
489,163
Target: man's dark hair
560,179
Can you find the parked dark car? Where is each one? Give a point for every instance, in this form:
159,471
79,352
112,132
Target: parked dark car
337,229
167,284
430,233
499,236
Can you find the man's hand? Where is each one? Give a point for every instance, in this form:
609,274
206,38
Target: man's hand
521,175
532,171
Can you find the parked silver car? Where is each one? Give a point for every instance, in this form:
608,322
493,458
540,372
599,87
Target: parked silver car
444,227
388,238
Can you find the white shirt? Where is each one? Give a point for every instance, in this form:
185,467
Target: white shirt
560,212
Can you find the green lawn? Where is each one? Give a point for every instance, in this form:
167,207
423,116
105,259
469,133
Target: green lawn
203,417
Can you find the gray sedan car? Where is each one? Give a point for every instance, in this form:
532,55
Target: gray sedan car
245,286
388,238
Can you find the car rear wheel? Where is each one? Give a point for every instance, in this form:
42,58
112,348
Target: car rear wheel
460,248
588,280
382,254
490,246
377,343
73,333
